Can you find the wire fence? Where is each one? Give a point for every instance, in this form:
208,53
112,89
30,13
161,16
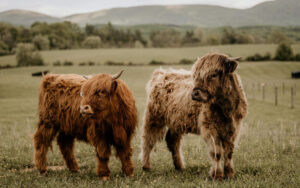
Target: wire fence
284,93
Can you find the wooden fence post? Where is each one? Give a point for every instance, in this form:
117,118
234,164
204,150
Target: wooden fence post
283,88
292,97
276,95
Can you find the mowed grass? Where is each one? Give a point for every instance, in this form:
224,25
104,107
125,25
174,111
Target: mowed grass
267,155
168,55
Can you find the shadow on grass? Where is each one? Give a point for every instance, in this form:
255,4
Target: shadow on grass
250,170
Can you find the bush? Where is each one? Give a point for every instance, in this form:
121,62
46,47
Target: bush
259,57
90,63
284,52
41,42
297,57
114,63
57,63
82,64
68,63
92,42
27,55
154,62
186,62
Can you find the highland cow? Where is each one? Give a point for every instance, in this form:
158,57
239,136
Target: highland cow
208,100
99,110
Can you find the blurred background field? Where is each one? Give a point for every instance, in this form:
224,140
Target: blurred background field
144,56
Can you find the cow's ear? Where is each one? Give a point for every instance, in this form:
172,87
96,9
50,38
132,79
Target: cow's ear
231,64
114,85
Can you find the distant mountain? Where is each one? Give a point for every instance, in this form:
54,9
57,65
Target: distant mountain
279,12
25,17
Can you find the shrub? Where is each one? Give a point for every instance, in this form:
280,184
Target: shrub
90,63
68,63
297,57
284,52
114,63
41,42
186,62
154,62
82,64
57,63
259,57
92,42
6,66
27,55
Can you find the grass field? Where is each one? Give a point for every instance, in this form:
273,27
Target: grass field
169,55
267,155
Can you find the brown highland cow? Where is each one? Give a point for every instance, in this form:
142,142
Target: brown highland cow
99,110
208,100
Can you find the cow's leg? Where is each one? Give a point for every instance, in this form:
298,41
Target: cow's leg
66,146
173,142
42,141
103,152
151,134
125,155
215,151
124,151
228,163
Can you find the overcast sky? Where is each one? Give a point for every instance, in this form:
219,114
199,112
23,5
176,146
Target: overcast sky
67,7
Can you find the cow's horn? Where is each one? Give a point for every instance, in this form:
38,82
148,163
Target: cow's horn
86,76
116,76
235,58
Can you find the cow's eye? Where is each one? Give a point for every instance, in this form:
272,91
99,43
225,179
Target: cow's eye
102,92
81,94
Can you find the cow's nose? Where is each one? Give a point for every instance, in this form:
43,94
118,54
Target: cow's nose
86,109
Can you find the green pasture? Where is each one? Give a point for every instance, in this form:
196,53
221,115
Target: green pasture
267,154
134,55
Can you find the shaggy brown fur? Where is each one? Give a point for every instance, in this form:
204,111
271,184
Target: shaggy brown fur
209,100
100,110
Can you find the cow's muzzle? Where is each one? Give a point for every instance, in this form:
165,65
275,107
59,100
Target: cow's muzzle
86,110
200,95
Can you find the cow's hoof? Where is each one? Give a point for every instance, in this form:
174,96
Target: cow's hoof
179,168
43,172
228,172
146,168
216,175
104,178
130,175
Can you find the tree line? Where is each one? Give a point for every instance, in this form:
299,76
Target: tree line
67,35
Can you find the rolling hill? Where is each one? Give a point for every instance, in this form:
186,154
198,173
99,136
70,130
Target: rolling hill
24,17
279,12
